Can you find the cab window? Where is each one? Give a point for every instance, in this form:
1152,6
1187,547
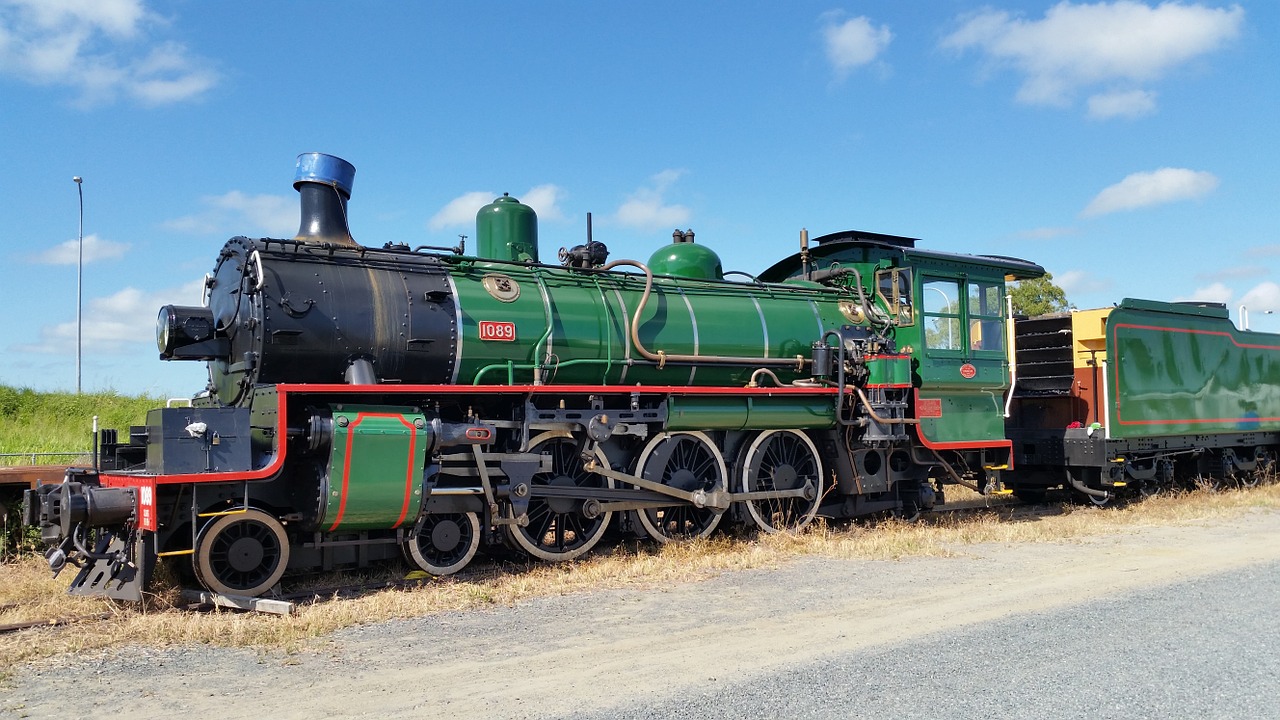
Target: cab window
986,323
963,315
942,313
894,288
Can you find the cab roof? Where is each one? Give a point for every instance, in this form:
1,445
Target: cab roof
861,246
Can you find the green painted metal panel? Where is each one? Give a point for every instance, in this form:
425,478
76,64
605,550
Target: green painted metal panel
750,413
511,299
889,370
961,417
1177,369
790,324
375,468
901,371
973,374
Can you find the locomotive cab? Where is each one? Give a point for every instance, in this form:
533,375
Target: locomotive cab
948,315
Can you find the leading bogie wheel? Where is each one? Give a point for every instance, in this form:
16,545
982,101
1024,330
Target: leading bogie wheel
557,529
242,553
689,461
445,543
780,460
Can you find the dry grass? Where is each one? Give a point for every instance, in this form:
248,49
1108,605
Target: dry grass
27,593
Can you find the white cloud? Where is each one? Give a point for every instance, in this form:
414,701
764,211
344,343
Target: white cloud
276,213
1145,189
118,18
545,199
854,42
646,208
99,47
1263,297
1216,293
116,323
461,211
1079,282
1076,47
68,253
242,214
1126,104
167,75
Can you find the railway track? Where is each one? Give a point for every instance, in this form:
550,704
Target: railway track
53,622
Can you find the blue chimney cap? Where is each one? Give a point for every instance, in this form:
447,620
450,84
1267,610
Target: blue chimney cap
326,170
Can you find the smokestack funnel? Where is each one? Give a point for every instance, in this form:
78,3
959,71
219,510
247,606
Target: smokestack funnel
324,184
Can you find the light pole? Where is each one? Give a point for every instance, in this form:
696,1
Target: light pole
79,277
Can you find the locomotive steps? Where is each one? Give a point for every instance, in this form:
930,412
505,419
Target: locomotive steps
27,593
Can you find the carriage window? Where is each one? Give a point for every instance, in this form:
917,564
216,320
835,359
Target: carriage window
986,316
941,303
894,288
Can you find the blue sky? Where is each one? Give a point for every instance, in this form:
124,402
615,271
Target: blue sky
1129,147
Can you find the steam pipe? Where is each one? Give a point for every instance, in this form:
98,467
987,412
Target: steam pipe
834,272
662,357
882,420
840,386
804,253
755,381
1084,488
955,477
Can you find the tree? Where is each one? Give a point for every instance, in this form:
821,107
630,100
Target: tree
1038,297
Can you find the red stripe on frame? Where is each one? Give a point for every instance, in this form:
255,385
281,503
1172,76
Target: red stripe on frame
281,449
553,389
346,471
409,478
275,466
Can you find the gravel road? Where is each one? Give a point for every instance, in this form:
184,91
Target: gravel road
1204,648
1171,621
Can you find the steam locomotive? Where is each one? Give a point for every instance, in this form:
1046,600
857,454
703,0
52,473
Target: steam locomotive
371,402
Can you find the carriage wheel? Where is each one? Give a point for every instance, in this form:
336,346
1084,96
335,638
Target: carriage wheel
244,553
781,460
557,529
688,461
445,543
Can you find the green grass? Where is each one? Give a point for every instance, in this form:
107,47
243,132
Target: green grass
59,422
62,422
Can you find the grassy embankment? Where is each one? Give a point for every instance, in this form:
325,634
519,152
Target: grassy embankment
62,422
39,422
